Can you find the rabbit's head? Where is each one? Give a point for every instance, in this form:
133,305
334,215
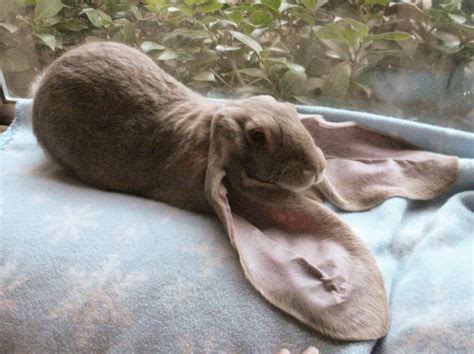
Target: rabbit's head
270,143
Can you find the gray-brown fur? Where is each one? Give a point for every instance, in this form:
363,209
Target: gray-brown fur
111,115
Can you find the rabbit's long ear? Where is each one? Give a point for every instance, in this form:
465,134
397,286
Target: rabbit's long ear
365,167
301,257
225,136
304,260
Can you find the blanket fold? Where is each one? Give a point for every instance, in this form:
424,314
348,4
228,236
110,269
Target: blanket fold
305,260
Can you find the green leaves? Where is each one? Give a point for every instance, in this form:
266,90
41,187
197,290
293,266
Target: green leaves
356,34
448,12
299,50
389,36
168,54
448,42
9,27
45,9
204,76
293,82
260,18
190,34
314,4
272,4
362,29
205,6
74,24
254,72
376,2
236,16
309,4
460,19
337,81
337,32
148,46
209,7
136,13
248,41
48,39
226,48
98,18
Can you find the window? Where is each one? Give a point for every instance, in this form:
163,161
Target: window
408,59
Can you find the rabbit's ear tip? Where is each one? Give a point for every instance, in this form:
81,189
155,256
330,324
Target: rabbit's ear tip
362,332
361,318
375,332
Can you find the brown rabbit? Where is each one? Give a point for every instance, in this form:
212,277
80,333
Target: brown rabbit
119,122
107,112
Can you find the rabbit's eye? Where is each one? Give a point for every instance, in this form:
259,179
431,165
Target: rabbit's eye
257,136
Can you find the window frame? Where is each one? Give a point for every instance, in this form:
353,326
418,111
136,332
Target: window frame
5,95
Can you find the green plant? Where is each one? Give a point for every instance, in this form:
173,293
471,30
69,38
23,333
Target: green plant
305,51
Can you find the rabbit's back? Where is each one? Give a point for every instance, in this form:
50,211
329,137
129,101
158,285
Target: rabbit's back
111,115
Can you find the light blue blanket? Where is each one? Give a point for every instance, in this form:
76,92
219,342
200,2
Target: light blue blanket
84,270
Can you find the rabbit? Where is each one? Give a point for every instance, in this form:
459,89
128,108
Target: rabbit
109,114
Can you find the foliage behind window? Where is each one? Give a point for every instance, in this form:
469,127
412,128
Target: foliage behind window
337,53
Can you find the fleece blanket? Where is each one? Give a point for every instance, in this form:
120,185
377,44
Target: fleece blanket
85,270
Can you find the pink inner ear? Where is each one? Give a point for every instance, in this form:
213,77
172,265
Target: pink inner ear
269,215
289,220
307,262
294,231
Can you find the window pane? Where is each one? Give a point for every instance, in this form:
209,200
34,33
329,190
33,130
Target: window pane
411,59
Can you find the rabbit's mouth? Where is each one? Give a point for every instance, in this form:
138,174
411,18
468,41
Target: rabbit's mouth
307,181
297,187
297,180
247,180
260,180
